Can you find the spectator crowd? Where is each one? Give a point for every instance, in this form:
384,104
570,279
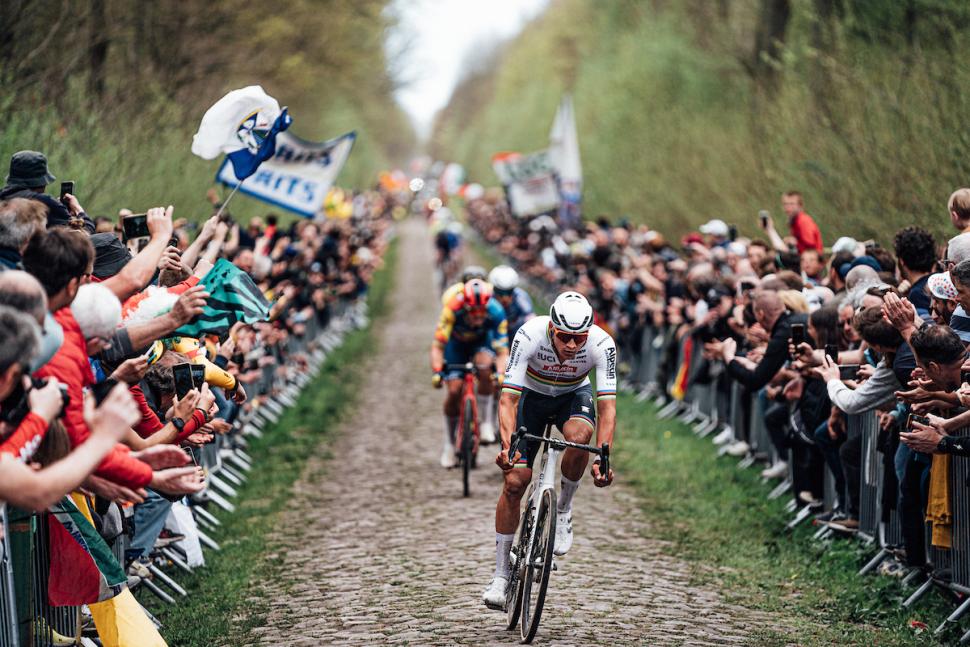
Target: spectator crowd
809,336
94,328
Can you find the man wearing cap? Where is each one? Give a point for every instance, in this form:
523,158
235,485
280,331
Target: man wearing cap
718,231
943,300
29,177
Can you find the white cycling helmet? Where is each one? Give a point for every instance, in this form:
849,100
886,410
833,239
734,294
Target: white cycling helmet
571,313
503,277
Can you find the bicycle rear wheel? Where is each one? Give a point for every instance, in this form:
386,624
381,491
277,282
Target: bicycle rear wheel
467,444
535,577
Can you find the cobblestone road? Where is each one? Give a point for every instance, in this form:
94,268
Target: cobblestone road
379,547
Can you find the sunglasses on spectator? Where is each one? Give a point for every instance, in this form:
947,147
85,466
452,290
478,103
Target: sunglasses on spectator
577,339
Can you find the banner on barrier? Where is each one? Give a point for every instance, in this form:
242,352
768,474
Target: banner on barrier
298,175
529,182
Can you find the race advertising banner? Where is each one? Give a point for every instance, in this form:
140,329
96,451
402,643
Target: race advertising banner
298,175
529,182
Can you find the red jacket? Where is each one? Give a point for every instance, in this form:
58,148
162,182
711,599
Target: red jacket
23,442
70,365
149,421
806,233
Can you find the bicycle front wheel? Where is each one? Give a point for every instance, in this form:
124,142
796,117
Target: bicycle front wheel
513,599
535,577
467,444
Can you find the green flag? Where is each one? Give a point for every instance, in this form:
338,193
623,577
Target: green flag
232,297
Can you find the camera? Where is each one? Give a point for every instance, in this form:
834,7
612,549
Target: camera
16,406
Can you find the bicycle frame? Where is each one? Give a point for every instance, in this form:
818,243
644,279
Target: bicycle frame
549,462
547,480
467,395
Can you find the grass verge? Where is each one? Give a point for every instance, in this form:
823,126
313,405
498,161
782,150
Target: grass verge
718,519
219,592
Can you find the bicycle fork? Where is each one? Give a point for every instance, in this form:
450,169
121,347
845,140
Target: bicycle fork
547,480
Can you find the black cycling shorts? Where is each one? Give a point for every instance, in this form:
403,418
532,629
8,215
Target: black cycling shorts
537,410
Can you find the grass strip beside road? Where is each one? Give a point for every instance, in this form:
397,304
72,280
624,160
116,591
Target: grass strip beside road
718,518
220,606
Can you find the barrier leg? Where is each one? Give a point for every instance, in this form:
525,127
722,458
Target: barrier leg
202,513
780,489
875,561
803,514
953,617
160,575
918,593
176,559
158,592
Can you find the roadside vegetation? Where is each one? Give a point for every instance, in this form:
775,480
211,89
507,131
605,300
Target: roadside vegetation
688,111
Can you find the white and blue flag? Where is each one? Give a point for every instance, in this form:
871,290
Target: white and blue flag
244,125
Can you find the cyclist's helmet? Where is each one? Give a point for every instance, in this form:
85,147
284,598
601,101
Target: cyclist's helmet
503,278
477,294
571,313
472,272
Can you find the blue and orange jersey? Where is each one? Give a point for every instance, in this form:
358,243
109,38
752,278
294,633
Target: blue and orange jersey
453,324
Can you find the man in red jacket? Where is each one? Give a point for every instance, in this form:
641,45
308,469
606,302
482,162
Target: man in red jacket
801,225
802,228
62,261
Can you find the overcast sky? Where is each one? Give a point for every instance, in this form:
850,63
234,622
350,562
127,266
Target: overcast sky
440,35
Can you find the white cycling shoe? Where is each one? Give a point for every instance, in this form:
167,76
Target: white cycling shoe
564,533
448,458
486,431
494,595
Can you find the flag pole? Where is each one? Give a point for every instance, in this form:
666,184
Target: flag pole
226,201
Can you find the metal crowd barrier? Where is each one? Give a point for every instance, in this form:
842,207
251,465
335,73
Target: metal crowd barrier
27,618
36,622
871,475
960,553
9,637
878,523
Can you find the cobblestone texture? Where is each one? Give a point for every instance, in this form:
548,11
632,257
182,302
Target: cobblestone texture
379,547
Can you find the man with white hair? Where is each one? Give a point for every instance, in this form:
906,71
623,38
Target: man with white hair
20,219
98,312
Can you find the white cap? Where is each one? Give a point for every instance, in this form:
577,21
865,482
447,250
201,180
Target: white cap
715,228
845,244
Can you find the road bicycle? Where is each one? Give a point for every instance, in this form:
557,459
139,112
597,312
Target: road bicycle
467,435
532,558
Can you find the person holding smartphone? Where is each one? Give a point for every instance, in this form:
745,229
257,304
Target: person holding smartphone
28,178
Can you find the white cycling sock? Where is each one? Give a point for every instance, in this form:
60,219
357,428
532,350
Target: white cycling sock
489,409
567,489
503,544
483,402
451,423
